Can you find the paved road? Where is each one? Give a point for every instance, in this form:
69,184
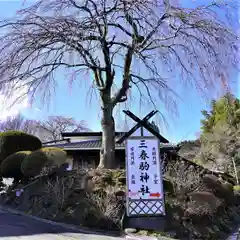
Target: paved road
13,227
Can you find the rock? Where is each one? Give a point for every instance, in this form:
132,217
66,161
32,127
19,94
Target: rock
107,177
202,203
189,149
211,181
203,197
130,230
223,190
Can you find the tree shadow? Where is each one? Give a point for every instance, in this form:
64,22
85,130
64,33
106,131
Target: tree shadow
13,225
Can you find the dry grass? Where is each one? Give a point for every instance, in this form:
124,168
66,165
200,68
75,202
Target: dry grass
105,207
62,198
66,197
58,191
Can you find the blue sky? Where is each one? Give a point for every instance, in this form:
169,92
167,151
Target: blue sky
71,101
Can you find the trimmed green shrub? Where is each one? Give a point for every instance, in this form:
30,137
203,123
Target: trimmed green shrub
56,158
15,141
55,155
33,163
41,159
11,166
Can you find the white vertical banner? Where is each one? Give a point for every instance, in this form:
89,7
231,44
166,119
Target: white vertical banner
144,177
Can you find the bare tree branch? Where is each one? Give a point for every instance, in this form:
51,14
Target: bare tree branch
18,122
55,125
138,43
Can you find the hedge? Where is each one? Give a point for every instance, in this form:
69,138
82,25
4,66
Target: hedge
55,155
34,163
11,166
15,141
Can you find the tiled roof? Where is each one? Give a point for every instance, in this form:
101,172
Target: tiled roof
117,134
88,144
87,134
95,144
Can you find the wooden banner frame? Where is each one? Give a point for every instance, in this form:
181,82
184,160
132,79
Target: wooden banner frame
143,123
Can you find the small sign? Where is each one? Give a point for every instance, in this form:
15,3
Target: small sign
70,167
19,192
144,177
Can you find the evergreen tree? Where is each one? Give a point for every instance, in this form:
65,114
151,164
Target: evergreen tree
220,138
226,110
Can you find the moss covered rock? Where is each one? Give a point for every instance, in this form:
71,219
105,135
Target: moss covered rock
11,166
43,160
107,177
15,141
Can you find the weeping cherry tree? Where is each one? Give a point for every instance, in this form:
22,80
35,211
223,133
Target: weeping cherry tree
146,45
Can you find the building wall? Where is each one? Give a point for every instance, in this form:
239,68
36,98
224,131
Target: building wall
90,158
87,159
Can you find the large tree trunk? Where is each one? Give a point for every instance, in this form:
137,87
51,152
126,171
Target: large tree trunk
107,153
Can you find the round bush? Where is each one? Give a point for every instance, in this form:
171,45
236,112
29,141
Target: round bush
15,141
34,163
11,166
55,155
